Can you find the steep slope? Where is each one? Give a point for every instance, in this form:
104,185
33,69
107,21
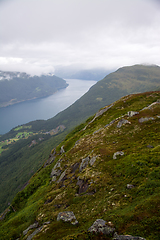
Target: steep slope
19,156
107,168
16,87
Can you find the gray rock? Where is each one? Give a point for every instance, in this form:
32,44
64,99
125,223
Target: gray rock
84,164
54,178
126,237
34,225
34,233
92,160
141,120
132,113
55,172
67,217
99,226
62,150
122,122
130,186
62,177
119,153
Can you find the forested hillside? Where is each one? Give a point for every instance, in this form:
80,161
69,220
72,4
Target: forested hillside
21,87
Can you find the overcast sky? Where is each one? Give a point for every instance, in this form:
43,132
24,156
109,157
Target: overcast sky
39,36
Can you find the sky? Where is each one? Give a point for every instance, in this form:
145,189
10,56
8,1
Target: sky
40,36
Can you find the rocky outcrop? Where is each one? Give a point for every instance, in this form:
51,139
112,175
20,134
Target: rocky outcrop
132,113
100,226
122,122
145,119
84,164
67,217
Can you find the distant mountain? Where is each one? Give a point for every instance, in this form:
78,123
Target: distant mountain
101,182
92,74
16,87
16,153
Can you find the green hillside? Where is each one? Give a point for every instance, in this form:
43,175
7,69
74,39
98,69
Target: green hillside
18,161
107,168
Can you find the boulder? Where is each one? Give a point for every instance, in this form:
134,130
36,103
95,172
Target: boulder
67,217
145,119
122,122
84,164
100,226
130,186
119,153
132,113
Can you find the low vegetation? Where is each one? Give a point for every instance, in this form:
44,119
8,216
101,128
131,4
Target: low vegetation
111,171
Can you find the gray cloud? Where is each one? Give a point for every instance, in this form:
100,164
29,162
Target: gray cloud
37,36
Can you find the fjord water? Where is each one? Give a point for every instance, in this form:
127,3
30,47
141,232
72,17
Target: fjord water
43,108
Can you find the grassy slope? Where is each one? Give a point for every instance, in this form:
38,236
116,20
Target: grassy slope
126,80
132,211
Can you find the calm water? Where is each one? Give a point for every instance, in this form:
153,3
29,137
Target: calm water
43,108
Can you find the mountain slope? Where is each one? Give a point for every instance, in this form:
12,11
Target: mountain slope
18,154
16,87
107,168
124,81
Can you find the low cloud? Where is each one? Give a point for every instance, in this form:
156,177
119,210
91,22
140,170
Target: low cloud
40,36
